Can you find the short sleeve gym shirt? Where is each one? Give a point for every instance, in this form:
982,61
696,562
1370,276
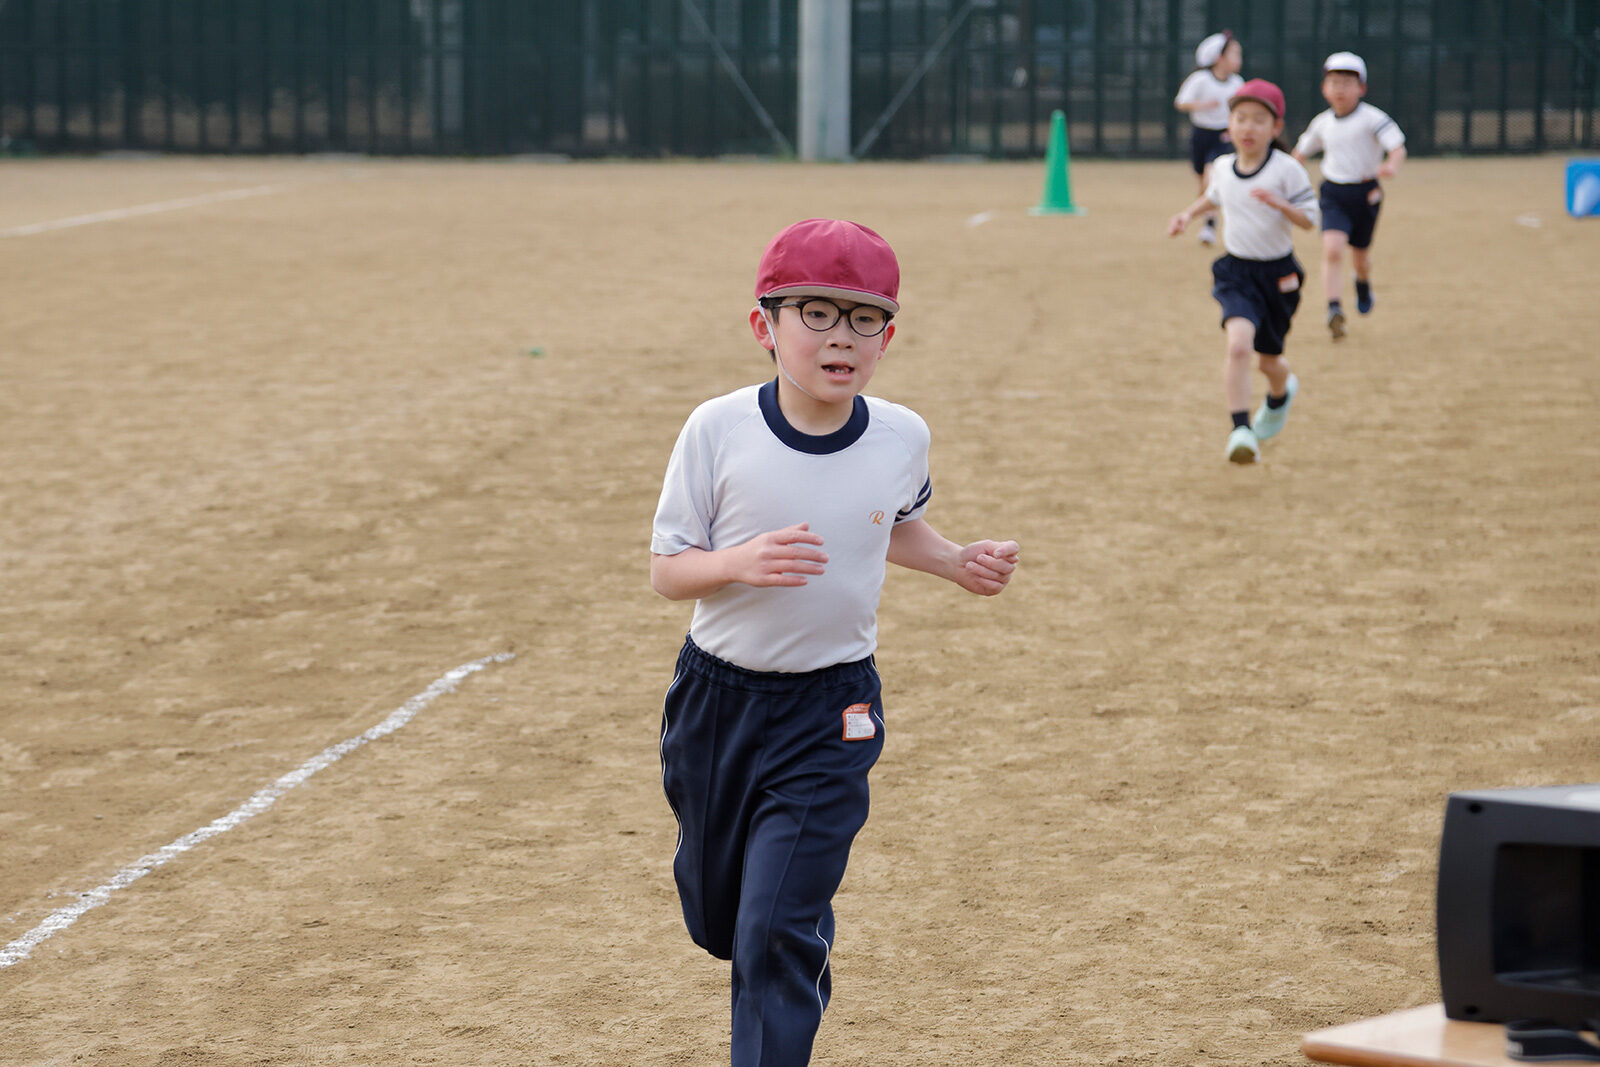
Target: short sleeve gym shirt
1352,147
739,469
1251,229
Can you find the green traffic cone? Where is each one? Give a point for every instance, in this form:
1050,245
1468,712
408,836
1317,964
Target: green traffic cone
1057,199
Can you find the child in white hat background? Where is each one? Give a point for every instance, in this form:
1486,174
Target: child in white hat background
1204,97
1359,144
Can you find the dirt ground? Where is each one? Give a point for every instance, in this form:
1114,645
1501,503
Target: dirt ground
269,466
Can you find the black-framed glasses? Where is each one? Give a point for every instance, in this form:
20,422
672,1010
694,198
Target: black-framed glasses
821,314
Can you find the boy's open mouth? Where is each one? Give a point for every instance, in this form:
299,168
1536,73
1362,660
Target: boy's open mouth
838,368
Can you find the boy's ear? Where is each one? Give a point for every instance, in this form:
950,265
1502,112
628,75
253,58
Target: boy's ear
761,327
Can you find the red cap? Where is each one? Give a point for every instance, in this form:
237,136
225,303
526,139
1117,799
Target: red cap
1262,92
830,257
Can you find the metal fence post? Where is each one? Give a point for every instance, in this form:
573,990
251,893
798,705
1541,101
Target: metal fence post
1431,136
1505,77
200,82
1030,42
63,91
1175,75
264,10
1136,37
233,77
1538,90
92,50
824,131
1098,8
132,81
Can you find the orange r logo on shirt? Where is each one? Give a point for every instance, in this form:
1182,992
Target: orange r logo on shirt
877,518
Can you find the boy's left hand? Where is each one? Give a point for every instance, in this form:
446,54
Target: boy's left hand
986,566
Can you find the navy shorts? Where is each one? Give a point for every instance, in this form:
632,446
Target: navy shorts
1264,291
1352,208
1206,145
767,776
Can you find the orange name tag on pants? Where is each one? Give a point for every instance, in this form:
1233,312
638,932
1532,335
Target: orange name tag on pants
858,724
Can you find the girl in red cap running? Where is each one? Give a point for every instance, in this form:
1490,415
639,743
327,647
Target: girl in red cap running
1262,193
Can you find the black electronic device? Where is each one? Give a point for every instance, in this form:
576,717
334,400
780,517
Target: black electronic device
1519,904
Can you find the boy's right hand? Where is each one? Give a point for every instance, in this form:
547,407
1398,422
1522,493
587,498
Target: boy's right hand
781,557
1177,224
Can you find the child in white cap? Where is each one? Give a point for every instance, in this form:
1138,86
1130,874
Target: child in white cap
1359,145
781,505
1204,97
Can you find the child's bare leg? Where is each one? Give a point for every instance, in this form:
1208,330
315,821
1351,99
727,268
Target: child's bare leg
1276,368
1236,366
1361,263
1334,242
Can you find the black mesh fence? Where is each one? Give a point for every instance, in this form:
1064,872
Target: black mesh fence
714,77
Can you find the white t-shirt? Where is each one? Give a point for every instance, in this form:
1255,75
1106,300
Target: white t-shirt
1251,229
1203,86
1353,147
739,469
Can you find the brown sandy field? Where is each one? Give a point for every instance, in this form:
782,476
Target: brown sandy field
272,465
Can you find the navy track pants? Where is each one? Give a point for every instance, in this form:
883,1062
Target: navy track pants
767,776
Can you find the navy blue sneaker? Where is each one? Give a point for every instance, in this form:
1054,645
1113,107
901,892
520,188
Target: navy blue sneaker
1364,299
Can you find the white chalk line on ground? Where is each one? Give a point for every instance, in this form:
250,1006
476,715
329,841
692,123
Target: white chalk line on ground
61,918
140,209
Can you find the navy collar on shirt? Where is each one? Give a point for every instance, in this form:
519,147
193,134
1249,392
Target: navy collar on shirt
1271,148
812,444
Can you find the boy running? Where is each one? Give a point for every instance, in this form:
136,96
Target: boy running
1360,144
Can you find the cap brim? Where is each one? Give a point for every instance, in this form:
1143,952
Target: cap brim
860,296
1264,103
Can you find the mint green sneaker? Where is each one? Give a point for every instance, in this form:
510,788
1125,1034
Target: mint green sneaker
1269,421
1242,446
